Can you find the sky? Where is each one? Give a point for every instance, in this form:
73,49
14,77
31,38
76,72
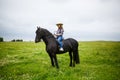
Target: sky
84,20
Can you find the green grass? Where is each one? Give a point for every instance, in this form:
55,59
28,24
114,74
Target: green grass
29,61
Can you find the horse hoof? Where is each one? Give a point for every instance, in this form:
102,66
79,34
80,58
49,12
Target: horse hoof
53,65
70,65
74,65
57,67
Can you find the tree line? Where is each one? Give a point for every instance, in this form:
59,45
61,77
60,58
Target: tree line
17,40
14,40
1,39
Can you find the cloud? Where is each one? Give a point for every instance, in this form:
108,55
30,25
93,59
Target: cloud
82,19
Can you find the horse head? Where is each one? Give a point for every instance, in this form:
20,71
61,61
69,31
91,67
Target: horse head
39,35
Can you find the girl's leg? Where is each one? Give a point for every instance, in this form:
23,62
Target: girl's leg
60,41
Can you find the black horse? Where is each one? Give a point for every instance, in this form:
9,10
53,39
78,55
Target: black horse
52,47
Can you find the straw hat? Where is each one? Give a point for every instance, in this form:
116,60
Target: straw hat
59,24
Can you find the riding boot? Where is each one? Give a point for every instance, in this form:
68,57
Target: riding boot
61,49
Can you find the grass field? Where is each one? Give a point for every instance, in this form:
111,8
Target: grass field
29,61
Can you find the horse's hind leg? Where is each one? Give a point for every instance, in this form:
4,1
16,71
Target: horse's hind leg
70,54
74,58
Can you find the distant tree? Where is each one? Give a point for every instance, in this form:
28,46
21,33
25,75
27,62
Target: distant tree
1,39
17,40
13,40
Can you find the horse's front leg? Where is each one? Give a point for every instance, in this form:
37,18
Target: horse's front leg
55,59
52,62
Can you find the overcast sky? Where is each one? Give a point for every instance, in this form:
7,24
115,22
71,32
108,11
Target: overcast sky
82,19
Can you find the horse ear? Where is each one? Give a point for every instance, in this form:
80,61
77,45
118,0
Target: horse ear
37,27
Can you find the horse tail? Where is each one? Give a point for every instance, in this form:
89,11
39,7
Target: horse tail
74,45
77,57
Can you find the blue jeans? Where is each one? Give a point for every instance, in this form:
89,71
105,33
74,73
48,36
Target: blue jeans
59,39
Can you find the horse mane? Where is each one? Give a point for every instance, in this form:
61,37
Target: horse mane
47,33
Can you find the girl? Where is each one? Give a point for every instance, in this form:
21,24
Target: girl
59,35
